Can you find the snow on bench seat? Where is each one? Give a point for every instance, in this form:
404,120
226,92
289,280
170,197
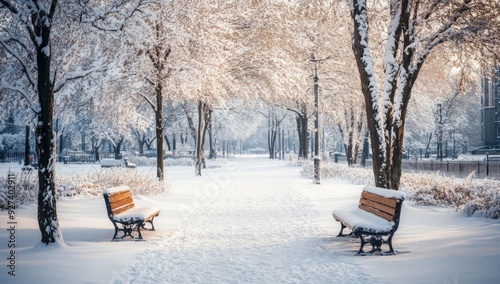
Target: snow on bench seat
358,219
137,214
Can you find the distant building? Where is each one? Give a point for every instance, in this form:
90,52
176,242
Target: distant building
490,109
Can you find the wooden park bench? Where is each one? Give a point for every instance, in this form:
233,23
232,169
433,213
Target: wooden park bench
129,164
110,163
375,220
124,215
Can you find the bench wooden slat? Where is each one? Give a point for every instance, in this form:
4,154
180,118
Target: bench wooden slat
380,199
119,196
386,209
376,212
122,202
122,209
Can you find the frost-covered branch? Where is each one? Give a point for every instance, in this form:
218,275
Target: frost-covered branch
114,16
23,94
23,64
148,100
75,75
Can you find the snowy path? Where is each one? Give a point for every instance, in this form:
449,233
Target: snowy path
252,227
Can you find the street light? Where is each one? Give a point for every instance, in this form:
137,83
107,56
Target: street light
440,134
316,159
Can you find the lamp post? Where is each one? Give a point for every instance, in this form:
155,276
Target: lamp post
440,134
316,159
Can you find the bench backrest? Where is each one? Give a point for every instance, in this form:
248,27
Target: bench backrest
118,201
384,207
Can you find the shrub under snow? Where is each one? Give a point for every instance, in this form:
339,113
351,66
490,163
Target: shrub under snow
478,197
88,185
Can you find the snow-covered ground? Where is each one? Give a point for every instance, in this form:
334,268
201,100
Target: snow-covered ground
253,221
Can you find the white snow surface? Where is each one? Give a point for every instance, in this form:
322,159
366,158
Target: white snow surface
113,190
137,213
358,218
385,192
254,221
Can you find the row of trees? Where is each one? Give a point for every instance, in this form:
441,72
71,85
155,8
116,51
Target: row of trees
111,66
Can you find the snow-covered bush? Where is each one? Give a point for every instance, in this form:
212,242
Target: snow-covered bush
87,185
478,197
293,161
169,162
340,171
142,161
188,162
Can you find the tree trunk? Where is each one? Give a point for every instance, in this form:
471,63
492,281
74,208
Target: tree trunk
386,116
159,130
83,142
212,142
61,143
27,146
365,149
361,53
95,148
141,140
204,118
117,148
207,111
47,209
428,146
169,148
303,137
149,142
192,128
199,148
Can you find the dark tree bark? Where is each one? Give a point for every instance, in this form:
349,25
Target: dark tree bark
141,140
117,146
212,141
204,118
159,131
169,148
158,54
61,143
428,146
27,147
191,126
302,121
40,30
96,144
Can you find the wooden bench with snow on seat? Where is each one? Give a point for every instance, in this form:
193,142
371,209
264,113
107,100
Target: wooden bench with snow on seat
110,163
375,220
125,216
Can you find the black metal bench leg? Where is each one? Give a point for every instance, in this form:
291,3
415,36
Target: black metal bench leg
143,225
389,243
116,231
342,227
139,231
363,242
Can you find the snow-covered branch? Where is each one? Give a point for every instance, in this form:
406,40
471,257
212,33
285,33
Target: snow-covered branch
18,57
115,15
75,75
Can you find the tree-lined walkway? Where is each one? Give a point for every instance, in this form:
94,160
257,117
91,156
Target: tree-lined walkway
251,228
